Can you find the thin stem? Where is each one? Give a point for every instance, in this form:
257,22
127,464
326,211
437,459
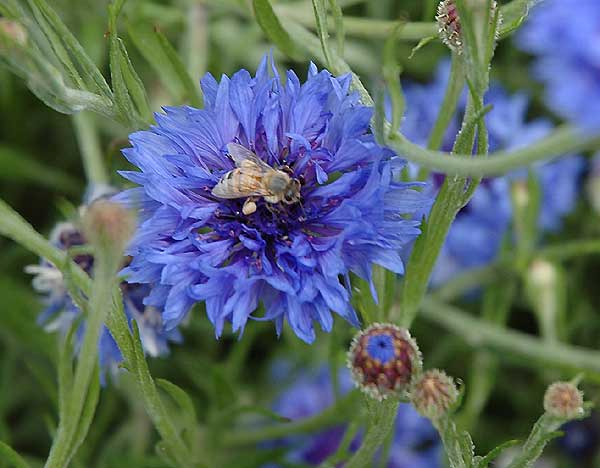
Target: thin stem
456,84
381,424
481,276
329,417
104,273
563,140
481,334
543,430
362,27
90,149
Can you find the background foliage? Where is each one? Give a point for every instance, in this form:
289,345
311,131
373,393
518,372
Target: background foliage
229,381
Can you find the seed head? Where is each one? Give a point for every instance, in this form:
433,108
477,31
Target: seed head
433,393
382,359
563,400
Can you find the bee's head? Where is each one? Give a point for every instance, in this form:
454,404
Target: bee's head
292,192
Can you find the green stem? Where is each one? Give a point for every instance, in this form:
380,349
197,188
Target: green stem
451,440
105,269
456,84
362,27
532,351
89,145
504,268
561,141
381,423
327,418
544,429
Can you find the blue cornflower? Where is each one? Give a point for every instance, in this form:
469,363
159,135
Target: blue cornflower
294,257
415,442
564,37
476,235
62,312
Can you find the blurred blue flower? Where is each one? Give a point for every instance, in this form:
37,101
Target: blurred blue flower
564,37
62,313
581,439
415,444
295,258
476,235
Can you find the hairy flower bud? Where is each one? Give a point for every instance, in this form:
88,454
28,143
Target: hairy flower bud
433,393
106,222
563,400
449,27
383,358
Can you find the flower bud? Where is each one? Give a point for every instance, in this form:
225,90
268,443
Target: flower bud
108,223
433,393
12,31
449,27
563,400
383,358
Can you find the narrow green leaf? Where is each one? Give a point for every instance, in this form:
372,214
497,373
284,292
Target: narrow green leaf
54,39
146,42
174,445
320,11
183,400
513,15
123,99
87,66
422,43
134,84
9,455
65,374
192,89
268,21
87,415
483,462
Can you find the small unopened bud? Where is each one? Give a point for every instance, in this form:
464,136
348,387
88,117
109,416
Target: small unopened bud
433,393
383,358
520,193
108,223
13,31
449,27
542,274
563,400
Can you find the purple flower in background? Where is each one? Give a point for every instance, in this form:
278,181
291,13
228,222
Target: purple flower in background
294,256
62,312
564,37
415,443
476,235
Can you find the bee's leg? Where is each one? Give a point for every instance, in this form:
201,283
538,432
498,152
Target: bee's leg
249,206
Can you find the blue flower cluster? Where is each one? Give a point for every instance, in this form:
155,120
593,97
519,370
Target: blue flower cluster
476,235
415,443
62,312
296,258
564,37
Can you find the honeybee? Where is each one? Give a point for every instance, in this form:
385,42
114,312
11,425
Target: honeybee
253,178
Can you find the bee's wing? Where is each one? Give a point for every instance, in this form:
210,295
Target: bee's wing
246,181
243,157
